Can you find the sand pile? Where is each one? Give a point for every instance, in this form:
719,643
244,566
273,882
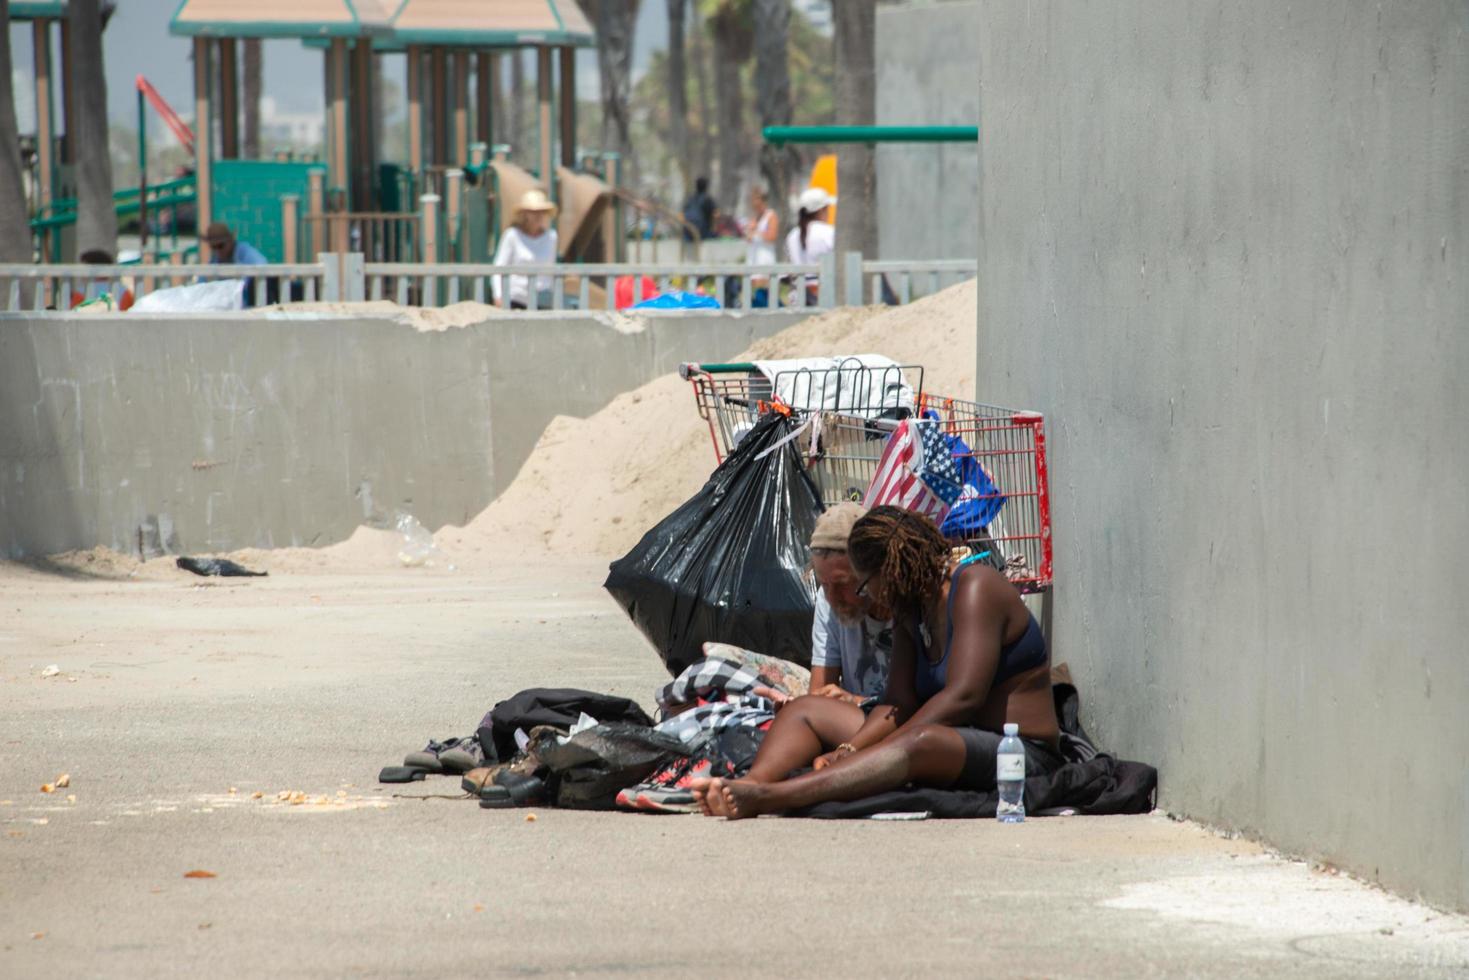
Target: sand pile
593,486
423,319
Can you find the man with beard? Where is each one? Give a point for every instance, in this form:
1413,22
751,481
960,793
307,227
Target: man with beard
851,641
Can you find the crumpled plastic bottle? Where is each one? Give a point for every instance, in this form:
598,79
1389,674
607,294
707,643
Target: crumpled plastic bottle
418,548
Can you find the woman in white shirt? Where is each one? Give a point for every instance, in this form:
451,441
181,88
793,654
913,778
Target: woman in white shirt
813,236
530,240
761,234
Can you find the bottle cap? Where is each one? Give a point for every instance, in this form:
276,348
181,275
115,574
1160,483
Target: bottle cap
1011,728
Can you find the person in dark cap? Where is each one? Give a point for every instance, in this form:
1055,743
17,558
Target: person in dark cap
225,249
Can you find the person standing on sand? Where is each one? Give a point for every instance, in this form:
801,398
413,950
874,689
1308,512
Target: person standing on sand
967,658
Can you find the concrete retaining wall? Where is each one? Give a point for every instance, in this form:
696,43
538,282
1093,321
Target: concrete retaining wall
927,193
1226,250
230,431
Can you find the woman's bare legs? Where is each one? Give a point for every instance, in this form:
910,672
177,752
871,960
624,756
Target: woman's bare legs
929,754
803,729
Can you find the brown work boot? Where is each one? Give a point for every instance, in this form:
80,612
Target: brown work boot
477,779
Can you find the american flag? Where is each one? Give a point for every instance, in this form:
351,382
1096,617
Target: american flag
916,472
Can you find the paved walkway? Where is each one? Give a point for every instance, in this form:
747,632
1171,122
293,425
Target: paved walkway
178,701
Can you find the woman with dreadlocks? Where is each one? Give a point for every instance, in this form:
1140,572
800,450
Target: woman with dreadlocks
967,658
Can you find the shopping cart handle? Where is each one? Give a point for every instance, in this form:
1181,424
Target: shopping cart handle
688,369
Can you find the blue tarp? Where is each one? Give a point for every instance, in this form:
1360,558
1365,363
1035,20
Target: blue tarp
677,299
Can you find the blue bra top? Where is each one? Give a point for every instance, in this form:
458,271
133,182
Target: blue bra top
1024,654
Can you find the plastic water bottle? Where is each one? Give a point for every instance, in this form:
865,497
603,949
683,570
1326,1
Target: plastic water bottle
1010,776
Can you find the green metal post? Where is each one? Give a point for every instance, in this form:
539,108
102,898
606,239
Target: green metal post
871,134
142,173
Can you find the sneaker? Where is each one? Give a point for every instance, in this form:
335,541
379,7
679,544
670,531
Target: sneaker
453,755
427,761
668,789
462,758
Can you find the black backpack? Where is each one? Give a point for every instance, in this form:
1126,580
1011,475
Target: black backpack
559,707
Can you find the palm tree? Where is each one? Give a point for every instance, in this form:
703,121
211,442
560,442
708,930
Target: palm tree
731,23
15,228
96,226
517,103
614,20
252,97
700,52
773,95
678,108
855,44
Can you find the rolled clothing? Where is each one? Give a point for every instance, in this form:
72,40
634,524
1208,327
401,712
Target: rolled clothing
982,746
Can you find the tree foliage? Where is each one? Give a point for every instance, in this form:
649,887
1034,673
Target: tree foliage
811,97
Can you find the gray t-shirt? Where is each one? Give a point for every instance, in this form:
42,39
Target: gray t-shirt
862,650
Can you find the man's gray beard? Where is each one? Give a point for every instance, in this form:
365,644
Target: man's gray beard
847,619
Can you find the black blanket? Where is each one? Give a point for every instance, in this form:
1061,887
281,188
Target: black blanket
1101,785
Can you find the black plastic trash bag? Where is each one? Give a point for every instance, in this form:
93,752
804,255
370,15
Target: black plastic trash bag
214,566
727,565
589,768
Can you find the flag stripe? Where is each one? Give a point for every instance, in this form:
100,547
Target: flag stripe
916,471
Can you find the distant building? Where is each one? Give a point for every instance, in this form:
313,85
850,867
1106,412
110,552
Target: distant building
816,12
290,130
23,93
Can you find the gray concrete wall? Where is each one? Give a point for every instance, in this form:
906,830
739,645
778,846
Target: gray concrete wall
230,431
1226,251
927,193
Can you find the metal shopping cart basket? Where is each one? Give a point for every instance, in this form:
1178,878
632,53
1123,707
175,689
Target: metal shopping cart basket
847,413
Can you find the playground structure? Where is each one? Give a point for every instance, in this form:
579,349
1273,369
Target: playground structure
448,201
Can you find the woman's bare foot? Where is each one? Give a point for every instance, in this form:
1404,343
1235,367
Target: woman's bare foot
736,799
701,789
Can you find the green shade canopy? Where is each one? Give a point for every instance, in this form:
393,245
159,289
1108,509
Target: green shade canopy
281,18
37,9
501,24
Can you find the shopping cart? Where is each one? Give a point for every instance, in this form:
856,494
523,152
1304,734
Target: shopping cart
846,414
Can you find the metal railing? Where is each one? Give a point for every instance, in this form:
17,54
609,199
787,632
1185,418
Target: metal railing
594,286
37,288
379,236
900,278
350,277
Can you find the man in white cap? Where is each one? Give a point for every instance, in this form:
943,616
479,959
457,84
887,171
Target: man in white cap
530,240
851,642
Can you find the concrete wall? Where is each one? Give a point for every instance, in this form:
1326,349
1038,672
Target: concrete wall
229,431
927,193
1226,250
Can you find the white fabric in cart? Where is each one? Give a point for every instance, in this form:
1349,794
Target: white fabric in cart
864,385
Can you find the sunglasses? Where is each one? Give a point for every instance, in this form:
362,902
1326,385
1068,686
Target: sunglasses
862,589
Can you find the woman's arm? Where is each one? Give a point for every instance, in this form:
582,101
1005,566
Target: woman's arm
822,676
973,658
772,233
900,699
978,623
504,255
